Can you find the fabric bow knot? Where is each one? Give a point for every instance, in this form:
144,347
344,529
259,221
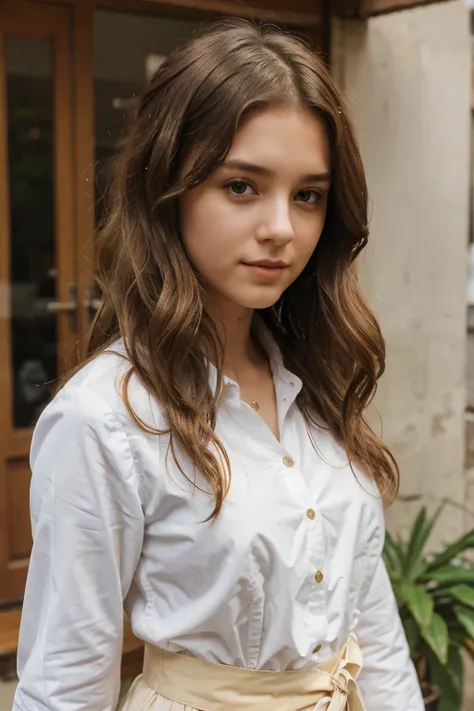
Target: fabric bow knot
345,695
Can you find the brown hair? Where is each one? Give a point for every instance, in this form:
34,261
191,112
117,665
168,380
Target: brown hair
196,101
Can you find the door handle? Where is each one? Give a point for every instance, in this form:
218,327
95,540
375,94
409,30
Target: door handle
56,307
69,307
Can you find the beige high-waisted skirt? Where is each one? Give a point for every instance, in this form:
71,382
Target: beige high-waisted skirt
178,682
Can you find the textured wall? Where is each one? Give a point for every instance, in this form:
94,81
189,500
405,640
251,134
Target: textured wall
407,79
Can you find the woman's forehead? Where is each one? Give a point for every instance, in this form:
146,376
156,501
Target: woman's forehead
279,138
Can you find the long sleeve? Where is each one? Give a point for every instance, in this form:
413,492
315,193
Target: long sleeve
388,681
87,525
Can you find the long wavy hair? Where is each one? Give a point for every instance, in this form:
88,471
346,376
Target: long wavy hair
194,104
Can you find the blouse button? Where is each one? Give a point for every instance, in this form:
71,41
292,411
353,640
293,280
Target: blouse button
311,514
319,577
288,461
317,649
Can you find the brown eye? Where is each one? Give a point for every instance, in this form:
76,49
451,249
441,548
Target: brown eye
239,188
311,197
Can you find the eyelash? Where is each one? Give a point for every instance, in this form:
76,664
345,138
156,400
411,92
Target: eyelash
228,186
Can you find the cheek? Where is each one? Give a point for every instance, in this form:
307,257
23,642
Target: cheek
307,240
201,219
193,226
212,231
196,245
202,233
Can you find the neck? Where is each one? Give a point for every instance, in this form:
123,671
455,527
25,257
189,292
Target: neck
234,327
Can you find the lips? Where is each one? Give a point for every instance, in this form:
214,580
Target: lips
267,264
265,270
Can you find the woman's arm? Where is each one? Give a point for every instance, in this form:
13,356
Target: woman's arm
388,681
88,531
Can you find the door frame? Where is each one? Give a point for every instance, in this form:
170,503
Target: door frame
312,17
49,24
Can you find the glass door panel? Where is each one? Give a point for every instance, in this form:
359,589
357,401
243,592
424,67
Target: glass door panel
127,49
37,253
33,332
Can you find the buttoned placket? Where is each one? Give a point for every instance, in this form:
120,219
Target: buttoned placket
287,388
316,585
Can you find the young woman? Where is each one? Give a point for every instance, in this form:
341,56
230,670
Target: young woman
209,470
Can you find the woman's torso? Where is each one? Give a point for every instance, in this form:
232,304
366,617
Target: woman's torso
275,581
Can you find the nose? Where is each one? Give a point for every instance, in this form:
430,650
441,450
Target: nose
276,224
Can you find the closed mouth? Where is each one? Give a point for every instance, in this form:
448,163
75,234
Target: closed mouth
267,264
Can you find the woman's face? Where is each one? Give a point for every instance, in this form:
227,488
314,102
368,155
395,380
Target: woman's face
251,227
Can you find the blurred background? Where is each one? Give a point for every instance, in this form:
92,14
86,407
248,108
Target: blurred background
69,74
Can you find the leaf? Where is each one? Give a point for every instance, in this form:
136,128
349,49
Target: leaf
397,591
466,618
451,552
416,539
412,633
448,678
449,574
420,603
420,533
437,637
442,597
463,593
393,555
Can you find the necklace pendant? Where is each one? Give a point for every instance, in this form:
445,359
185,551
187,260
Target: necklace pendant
254,405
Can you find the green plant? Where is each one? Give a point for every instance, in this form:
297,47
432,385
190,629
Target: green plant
435,596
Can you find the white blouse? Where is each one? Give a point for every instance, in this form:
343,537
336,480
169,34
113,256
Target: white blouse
291,566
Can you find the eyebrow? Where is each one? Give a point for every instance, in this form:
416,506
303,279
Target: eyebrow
260,170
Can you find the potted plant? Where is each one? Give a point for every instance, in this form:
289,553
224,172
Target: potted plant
435,597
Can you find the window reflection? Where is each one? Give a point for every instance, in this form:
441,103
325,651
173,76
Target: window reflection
128,48
33,254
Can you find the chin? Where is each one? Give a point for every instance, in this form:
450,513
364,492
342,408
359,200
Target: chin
259,302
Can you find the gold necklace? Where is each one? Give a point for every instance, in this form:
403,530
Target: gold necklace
254,405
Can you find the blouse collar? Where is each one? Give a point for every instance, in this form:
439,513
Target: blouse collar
230,389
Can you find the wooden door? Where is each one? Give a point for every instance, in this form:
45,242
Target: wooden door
38,316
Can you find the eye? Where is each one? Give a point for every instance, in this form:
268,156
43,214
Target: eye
239,188
310,197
